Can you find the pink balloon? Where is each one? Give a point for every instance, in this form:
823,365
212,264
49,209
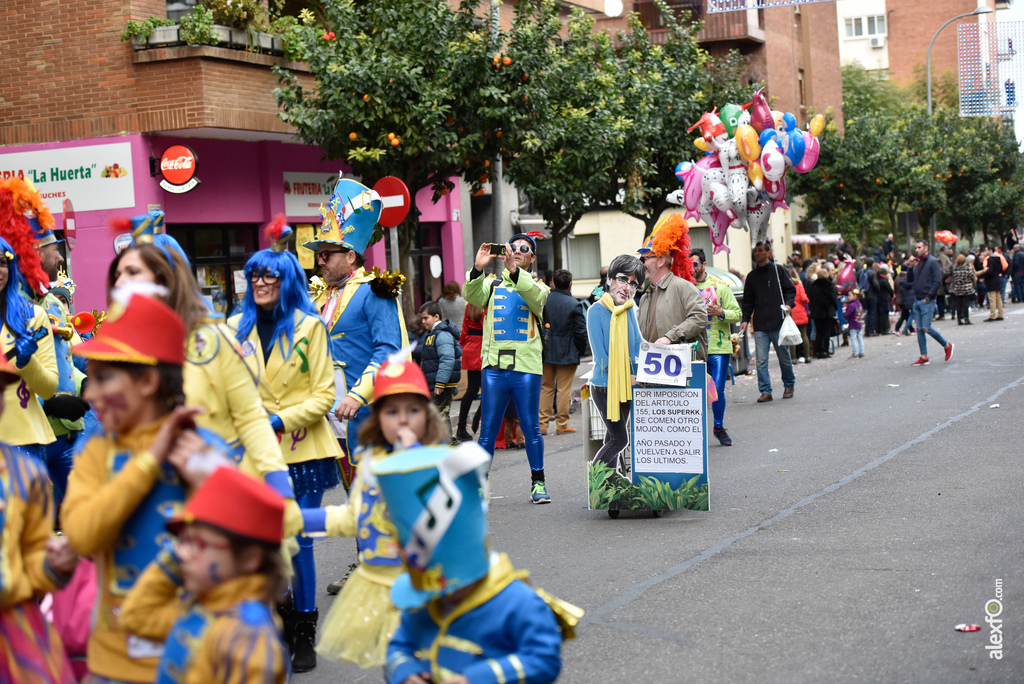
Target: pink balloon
812,148
761,117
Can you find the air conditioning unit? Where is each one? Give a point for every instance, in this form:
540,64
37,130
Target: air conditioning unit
878,41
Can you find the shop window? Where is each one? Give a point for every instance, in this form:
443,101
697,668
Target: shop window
218,254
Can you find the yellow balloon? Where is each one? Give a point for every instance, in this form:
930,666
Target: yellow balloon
817,124
746,142
701,144
755,173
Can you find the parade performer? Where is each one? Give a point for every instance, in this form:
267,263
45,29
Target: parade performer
723,311
216,377
512,353
672,310
361,307
35,563
65,409
212,595
130,475
615,340
362,621
467,614
26,339
284,343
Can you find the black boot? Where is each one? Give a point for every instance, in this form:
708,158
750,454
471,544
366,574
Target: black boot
287,612
303,655
462,435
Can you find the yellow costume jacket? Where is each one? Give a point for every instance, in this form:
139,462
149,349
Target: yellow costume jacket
23,420
114,511
217,379
298,389
226,636
26,522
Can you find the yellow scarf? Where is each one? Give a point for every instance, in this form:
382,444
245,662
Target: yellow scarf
620,382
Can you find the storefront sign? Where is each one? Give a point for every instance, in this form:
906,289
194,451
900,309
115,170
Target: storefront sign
96,177
178,168
305,192
122,242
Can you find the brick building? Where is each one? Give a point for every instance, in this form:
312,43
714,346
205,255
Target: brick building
74,97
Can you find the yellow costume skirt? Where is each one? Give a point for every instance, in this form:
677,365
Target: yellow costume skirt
362,620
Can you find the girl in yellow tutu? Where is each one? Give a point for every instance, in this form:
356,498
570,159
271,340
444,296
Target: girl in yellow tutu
362,620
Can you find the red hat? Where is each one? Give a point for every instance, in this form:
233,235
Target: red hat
399,376
148,332
236,503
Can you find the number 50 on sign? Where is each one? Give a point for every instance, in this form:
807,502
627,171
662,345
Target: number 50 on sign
664,364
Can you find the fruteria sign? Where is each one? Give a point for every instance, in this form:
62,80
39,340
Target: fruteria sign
95,177
305,192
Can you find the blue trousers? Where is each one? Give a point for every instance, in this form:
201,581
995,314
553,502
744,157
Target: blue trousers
498,387
718,369
923,320
304,580
58,462
1017,294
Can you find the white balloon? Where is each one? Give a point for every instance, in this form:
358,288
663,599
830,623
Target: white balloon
435,266
612,8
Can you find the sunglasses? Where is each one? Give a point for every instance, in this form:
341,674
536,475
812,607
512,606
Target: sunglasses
626,282
325,255
522,249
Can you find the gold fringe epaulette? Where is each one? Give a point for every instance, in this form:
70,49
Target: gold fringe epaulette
100,316
567,614
317,287
386,284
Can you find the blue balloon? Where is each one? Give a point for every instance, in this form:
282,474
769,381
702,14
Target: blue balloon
766,135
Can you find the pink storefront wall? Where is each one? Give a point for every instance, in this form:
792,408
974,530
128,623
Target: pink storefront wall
240,182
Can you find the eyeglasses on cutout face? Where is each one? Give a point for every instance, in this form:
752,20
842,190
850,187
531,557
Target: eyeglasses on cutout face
266,277
626,282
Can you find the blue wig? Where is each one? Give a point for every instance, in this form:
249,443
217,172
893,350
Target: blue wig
294,296
18,305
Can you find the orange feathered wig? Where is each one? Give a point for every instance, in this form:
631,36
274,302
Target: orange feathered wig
18,198
671,237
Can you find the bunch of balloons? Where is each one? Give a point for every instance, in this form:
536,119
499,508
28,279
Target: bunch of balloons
741,179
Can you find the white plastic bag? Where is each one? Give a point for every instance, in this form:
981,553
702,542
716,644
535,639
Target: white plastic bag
789,334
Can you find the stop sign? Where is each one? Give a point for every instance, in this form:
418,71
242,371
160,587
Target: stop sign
395,197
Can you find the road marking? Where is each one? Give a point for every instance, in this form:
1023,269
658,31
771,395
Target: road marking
637,590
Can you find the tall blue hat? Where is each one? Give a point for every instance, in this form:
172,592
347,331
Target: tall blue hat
349,219
42,236
148,229
435,498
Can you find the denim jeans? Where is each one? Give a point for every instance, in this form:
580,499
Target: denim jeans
761,340
857,341
923,313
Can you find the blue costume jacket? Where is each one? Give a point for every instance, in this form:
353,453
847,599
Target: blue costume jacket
502,632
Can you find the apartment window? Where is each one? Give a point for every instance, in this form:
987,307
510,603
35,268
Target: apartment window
585,256
857,27
803,90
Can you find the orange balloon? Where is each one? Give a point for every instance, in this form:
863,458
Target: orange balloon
746,142
701,144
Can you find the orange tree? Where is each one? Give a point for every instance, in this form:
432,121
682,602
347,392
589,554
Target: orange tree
409,88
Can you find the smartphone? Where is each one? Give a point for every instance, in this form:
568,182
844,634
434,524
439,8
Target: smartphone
498,249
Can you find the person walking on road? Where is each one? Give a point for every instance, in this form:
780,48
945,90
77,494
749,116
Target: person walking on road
768,295
566,329
962,290
824,304
991,270
926,275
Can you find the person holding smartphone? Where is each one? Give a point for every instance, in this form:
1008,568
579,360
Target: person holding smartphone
512,350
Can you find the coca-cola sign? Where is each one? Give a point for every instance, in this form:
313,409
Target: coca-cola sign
178,168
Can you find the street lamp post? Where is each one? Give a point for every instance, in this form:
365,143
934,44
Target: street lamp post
977,11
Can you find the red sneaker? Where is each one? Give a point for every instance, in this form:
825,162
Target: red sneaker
949,351
923,361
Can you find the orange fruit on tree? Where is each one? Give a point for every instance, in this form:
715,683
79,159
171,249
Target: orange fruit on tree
366,97
352,136
391,136
487,162
395,142
506,61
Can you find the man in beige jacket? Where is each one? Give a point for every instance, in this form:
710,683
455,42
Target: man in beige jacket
672,310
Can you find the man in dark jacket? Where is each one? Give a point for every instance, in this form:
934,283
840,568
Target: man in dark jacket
768,294
442,359
566,341
867,281
1017,274
926,275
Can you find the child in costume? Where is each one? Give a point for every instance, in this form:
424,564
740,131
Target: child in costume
130,476
215,375
465,611
212,596
284,343
34,563
363,619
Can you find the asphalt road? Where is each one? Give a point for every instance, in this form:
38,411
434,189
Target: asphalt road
850,529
